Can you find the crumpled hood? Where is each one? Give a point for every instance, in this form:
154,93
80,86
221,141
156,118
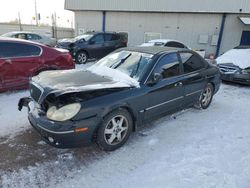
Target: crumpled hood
68,81
68,40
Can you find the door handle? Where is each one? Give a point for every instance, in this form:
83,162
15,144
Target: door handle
178,84
8,61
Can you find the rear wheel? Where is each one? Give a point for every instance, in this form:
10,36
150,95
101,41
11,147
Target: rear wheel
81,57
114,130
206,97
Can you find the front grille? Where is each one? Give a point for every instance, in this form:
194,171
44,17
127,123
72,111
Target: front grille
35,92
228,69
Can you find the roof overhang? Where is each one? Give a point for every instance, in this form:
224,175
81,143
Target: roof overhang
245,20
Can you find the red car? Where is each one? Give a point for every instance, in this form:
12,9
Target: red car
20,60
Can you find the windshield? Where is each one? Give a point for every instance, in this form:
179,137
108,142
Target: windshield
86,37
131,63
7,35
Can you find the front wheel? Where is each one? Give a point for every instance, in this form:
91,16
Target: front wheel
206,97
114,130
81,57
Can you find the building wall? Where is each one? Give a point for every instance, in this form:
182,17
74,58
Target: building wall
185,27
233,31
209,6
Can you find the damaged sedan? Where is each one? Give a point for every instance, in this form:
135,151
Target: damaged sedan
107,101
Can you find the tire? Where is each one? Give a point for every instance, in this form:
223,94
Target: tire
112,134
206,97
81,57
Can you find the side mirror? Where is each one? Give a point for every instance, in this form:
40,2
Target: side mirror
155,78
91,42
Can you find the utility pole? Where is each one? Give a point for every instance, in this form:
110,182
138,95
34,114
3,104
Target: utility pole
19,21
36,14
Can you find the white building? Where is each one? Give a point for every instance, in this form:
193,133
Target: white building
213,25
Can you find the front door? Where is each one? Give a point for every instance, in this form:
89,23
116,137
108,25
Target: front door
167,94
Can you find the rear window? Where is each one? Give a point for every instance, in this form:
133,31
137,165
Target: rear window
191,62
111,37
12,50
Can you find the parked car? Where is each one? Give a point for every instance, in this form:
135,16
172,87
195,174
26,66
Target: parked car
171,43
20,59
122,91
35,37
93,45
165,42
234,65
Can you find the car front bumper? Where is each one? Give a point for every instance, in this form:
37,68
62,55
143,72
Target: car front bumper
237,78
66,134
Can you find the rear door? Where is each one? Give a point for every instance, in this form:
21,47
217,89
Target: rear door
167,95
19,61
194,76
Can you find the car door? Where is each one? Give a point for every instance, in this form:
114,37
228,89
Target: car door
194,76
20,61
96,46
110,43
167,94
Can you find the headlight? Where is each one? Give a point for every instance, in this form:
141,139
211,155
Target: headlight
64,113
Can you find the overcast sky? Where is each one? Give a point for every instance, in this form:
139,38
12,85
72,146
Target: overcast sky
9,11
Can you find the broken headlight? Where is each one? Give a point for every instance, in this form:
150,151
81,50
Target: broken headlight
64,113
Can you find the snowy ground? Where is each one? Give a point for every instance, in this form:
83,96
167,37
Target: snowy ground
193,148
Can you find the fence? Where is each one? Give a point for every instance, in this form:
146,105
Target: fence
46,30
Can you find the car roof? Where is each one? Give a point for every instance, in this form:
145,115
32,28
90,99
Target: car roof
6,39
22,32
163,40
151,49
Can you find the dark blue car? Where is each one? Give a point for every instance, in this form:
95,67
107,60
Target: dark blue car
122,91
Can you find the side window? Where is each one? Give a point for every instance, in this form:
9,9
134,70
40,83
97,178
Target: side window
33,37
108,37
191,62
168,66
111,37
98,39
20,36
175,45
15,50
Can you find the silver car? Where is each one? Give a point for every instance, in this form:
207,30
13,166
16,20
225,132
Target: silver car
32,37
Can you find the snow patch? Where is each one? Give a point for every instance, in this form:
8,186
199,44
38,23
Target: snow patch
123,79
239,57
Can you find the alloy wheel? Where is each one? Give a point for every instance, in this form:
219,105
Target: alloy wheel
116,130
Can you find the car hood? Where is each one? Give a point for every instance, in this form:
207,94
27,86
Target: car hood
68,81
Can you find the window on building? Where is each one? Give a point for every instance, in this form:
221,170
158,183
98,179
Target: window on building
191,62
168,66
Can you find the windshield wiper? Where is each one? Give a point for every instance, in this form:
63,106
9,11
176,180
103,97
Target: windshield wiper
114,66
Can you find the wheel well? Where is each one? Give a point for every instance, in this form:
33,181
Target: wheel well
121,107
212,85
